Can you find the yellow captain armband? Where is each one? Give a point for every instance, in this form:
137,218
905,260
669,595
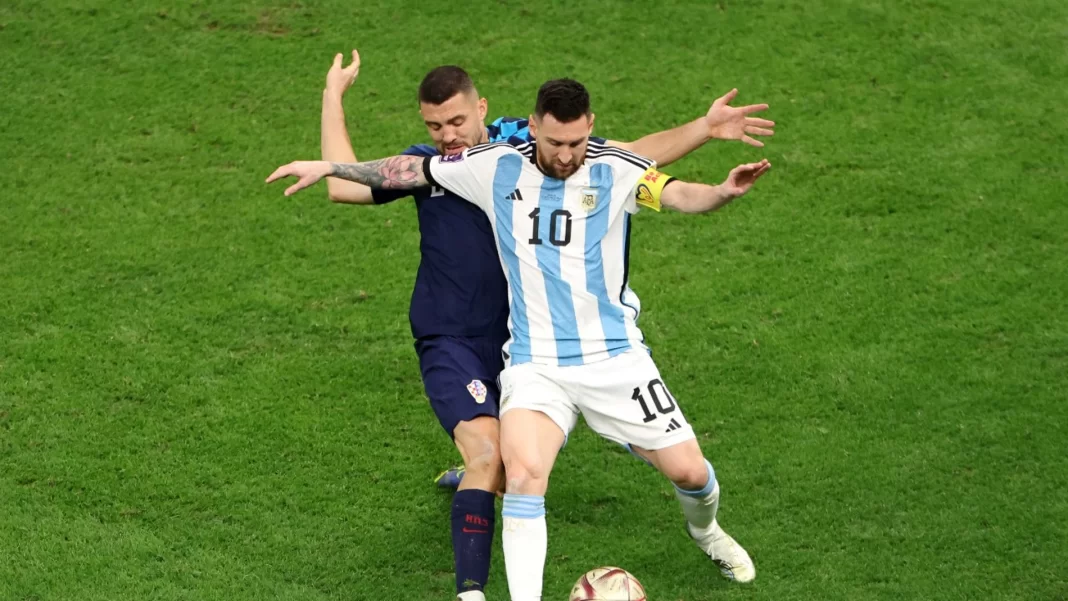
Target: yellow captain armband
650,186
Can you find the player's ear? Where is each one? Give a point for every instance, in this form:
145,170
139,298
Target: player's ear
532,123
483,109
591,123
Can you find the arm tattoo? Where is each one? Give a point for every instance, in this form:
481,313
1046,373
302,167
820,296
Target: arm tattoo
400,172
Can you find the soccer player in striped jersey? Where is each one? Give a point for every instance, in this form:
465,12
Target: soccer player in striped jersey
560,209
459,306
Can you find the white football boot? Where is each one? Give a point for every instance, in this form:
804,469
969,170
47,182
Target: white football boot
731,559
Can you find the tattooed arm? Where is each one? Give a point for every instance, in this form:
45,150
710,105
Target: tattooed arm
396,173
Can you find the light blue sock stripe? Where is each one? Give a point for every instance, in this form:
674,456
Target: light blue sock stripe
704,492
523,515
535,499
523,506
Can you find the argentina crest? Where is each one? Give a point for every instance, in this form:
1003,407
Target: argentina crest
588,199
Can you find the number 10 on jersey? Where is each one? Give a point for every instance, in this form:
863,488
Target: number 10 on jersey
559,227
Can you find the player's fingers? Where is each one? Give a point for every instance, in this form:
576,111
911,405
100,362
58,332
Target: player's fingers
759,122
279,173
743,171
337,60
302,183
728,97
758,131
752,142
355,56
754,108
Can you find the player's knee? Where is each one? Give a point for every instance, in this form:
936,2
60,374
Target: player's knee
483,457
525,474
689,475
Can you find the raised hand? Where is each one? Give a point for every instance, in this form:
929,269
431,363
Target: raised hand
338,79
306,172
727,122
743,177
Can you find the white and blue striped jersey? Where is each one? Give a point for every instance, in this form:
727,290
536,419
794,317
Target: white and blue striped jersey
563,244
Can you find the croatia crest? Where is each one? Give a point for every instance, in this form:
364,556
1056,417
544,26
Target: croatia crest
477,390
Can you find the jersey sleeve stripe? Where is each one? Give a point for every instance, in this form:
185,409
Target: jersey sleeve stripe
484,147
619,152
630,158
597,149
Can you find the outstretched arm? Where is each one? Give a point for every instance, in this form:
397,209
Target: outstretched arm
722,122
666,147
394,173
334,137
701,198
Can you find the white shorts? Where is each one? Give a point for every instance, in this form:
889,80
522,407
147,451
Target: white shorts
623,399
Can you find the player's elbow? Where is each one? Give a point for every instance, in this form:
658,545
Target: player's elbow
339,193
337,196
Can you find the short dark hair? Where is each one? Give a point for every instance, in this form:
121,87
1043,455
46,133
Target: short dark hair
565,99
443,83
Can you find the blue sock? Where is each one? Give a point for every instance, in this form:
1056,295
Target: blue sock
472,537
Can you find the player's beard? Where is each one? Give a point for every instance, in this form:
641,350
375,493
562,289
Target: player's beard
558,170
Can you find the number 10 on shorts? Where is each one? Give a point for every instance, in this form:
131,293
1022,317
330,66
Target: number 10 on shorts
639,395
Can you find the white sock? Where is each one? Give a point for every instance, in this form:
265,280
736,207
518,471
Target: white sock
700,506
471,596
525,541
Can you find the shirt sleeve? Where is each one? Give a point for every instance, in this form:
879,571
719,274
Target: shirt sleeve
470,174
383,196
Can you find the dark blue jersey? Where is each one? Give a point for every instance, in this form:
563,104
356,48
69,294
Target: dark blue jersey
460,289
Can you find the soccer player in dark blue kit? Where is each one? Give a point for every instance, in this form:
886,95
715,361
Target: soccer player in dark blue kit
459,307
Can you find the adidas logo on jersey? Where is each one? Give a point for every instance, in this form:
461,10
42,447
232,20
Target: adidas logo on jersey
515,195
672,426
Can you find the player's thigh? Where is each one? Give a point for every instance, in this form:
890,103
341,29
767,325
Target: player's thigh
537,414
624,399
683,463
459,384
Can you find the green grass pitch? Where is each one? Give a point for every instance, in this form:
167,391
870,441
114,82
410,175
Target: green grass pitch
208,391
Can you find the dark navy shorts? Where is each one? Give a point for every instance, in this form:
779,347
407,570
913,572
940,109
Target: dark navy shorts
460,377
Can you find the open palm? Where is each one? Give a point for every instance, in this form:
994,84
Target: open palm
727,122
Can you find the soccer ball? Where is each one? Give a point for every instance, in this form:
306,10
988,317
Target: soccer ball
607,584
